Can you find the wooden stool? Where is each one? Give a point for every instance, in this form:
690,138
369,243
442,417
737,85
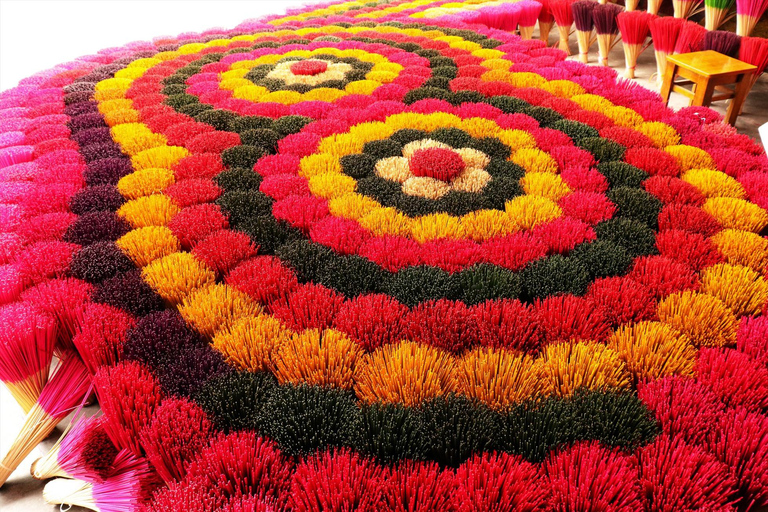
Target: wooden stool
708,71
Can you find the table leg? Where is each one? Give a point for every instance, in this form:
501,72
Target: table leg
669,78
734,109
702,97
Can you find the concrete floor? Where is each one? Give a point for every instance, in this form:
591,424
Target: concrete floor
22,493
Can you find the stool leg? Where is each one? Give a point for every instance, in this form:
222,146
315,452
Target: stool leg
734,109
702,97
669,78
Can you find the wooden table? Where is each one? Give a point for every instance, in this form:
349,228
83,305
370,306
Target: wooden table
708,71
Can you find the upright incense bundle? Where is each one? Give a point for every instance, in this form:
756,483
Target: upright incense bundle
716,12
562,10
529,14
604,18
634,28
754,50
582,17
690,38
654,6
723,42
664,33
748,13
631,5
685,8
546,20
64,391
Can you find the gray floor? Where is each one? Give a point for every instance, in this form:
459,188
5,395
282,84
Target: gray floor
22,493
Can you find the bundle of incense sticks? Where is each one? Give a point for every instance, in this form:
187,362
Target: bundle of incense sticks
582,17
690,38
664,33
546,20
631,5
654,6
748,13
716,13
685,8
754,50
27,340
562,10
68,387
604,18
83,451
529,14
131,483
723,42
634,28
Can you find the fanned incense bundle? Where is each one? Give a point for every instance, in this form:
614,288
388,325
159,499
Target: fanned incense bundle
716,12
83,451
685,8
631,5
582,17
63,299
562,10
131,483
27,341
634,28
654,6
529,14
67,388
690,38
723,42
748,13
664,33
604,18
546,20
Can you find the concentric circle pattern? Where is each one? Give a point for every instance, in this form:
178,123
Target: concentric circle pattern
398,262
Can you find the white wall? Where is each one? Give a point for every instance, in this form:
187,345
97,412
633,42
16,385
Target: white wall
38,34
